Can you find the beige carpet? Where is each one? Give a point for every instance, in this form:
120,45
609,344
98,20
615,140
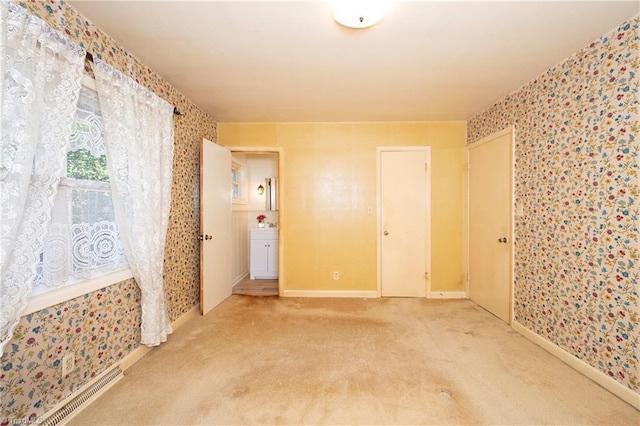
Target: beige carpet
352,361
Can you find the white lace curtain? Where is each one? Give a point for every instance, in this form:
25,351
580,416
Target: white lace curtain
138,132
40,75
82,240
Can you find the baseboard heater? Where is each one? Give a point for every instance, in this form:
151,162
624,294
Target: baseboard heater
66,410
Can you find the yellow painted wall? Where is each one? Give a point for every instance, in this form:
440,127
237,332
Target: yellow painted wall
329,181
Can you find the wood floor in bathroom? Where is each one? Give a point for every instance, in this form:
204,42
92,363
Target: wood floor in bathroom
249,287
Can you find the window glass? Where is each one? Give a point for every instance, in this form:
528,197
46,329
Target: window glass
236,180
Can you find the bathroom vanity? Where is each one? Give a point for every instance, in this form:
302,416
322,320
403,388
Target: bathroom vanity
264,253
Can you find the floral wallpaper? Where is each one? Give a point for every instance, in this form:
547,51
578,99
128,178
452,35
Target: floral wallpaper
102,327
99,328
576,173
576,250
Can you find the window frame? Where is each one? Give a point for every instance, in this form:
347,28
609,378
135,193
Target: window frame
240,182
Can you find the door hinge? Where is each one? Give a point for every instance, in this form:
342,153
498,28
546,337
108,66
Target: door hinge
426,275
426,167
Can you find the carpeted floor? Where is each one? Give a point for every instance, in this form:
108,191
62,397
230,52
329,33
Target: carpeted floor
269,360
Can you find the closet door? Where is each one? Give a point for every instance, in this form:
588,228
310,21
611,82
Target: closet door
490,217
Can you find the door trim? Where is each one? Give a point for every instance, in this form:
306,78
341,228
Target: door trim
506,131
379,151
281,203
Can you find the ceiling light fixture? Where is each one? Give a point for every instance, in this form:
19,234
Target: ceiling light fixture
360,13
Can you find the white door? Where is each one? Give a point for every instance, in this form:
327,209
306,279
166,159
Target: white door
490,200
404,221
215,225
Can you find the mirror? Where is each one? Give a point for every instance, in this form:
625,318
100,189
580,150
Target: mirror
271,192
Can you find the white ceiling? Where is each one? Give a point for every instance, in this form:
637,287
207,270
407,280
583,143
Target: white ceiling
289,61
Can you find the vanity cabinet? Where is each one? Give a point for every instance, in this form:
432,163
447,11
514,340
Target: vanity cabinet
264,253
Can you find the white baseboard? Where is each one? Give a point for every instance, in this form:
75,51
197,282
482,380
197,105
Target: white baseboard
191,313
362,294
447,295
135,355
126,362
592,373
240,278
367,294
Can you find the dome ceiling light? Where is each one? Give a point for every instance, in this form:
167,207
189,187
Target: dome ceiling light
360,13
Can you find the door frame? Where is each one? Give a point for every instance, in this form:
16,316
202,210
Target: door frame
379,151
281,202
506,131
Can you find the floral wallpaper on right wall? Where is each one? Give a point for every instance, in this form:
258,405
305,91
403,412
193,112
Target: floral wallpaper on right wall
576,247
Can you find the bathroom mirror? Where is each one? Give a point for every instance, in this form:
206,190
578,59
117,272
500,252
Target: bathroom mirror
271,192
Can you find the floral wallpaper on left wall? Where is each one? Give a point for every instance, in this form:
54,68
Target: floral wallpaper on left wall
99,328
102,327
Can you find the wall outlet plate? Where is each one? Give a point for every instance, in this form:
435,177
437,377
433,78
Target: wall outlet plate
336,275
68,364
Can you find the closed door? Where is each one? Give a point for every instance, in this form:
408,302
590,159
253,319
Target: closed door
215,225
490,200
404,221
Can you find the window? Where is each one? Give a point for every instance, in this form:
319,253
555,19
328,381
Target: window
82,241
237,183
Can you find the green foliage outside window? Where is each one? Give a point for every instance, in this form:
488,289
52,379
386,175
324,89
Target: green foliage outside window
82,165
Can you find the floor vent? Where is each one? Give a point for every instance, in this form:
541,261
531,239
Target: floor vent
83,397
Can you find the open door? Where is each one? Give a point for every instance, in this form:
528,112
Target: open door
215,225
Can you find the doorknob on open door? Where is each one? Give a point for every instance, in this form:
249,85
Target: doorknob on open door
386,232
502,240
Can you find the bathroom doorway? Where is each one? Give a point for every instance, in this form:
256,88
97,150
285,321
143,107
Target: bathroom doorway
256,219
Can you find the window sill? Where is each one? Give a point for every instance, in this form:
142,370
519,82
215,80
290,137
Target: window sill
43,301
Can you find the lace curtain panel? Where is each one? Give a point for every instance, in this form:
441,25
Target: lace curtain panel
40,82
82,241
138,131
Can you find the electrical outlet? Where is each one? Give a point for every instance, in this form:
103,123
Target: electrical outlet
336,275
68,364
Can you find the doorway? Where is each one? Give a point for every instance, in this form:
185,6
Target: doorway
257,245
404,218
490,223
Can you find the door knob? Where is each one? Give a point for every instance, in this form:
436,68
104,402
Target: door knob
502,240
386,232
205,237
201,237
